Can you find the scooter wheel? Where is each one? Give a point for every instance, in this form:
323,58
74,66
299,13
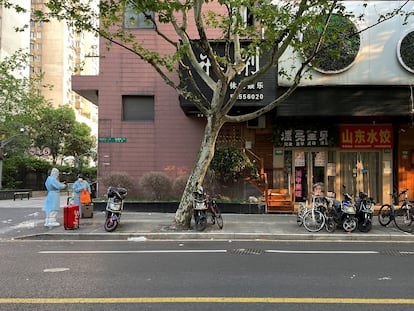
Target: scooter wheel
330,225
365,227
110,224
201,223
350,224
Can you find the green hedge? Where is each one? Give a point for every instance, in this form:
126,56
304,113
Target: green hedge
31,173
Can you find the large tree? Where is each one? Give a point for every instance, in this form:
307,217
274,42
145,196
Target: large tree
187,26
19,99
58,129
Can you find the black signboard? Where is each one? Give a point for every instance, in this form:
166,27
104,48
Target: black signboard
302,137
257,94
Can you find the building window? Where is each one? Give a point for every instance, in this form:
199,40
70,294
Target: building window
137,108
137,20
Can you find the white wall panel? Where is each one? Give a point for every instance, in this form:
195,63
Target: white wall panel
377,62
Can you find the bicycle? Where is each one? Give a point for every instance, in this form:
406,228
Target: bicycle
402,217
314,219
214,212
301,212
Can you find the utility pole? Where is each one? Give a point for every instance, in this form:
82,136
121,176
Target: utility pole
4,142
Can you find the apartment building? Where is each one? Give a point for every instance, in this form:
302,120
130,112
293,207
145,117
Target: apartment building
349,125
56,52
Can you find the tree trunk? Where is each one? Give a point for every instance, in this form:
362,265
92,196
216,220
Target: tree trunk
184,212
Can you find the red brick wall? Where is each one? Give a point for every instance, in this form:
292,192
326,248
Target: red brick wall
168,144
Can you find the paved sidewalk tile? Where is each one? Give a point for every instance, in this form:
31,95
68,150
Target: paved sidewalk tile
142,226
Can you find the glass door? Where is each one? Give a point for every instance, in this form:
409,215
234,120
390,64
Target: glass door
360,172
300,167
318,168
309,170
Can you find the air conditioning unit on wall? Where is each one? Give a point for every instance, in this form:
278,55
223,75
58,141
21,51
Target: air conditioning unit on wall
257,123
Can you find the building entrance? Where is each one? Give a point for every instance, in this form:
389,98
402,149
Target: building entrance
309,168
360,171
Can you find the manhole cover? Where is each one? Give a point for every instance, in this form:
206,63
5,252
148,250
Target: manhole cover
246,251
393,252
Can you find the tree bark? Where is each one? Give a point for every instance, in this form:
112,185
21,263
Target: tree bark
184,212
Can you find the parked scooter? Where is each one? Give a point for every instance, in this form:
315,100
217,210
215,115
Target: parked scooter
344,213
364,209
114,207
200,208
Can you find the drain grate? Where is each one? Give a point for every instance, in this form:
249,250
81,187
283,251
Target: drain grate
246,251
393,252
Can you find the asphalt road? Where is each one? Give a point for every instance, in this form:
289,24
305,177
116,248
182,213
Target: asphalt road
205,275
19,221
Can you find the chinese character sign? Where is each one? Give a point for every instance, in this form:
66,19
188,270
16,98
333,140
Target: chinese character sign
258,93
304,138
366,136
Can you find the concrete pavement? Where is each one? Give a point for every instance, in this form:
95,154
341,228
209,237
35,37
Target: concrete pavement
137,226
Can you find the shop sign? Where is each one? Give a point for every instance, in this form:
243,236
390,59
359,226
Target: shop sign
366,136
258,93
304,138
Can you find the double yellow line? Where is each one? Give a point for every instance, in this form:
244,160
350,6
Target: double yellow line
270,300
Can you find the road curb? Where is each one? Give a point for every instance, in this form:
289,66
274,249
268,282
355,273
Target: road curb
143,236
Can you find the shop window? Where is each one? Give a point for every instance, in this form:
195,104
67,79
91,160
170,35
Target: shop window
360,171
137,108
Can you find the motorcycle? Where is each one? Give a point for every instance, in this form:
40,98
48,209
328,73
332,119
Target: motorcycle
114,207
344,213
364,210
200,208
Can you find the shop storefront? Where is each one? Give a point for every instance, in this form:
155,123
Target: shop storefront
358,157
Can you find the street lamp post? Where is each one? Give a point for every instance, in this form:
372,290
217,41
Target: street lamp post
4,142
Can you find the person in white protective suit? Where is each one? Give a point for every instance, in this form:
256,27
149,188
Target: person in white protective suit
52,202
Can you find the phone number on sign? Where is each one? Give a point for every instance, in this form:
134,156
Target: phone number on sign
248,96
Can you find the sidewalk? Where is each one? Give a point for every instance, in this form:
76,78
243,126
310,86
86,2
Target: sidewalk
137,226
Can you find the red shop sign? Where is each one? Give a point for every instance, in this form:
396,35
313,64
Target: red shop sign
366,136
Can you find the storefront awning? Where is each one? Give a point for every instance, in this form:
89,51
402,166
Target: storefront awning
346,101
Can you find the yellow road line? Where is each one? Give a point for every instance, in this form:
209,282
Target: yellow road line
270,300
